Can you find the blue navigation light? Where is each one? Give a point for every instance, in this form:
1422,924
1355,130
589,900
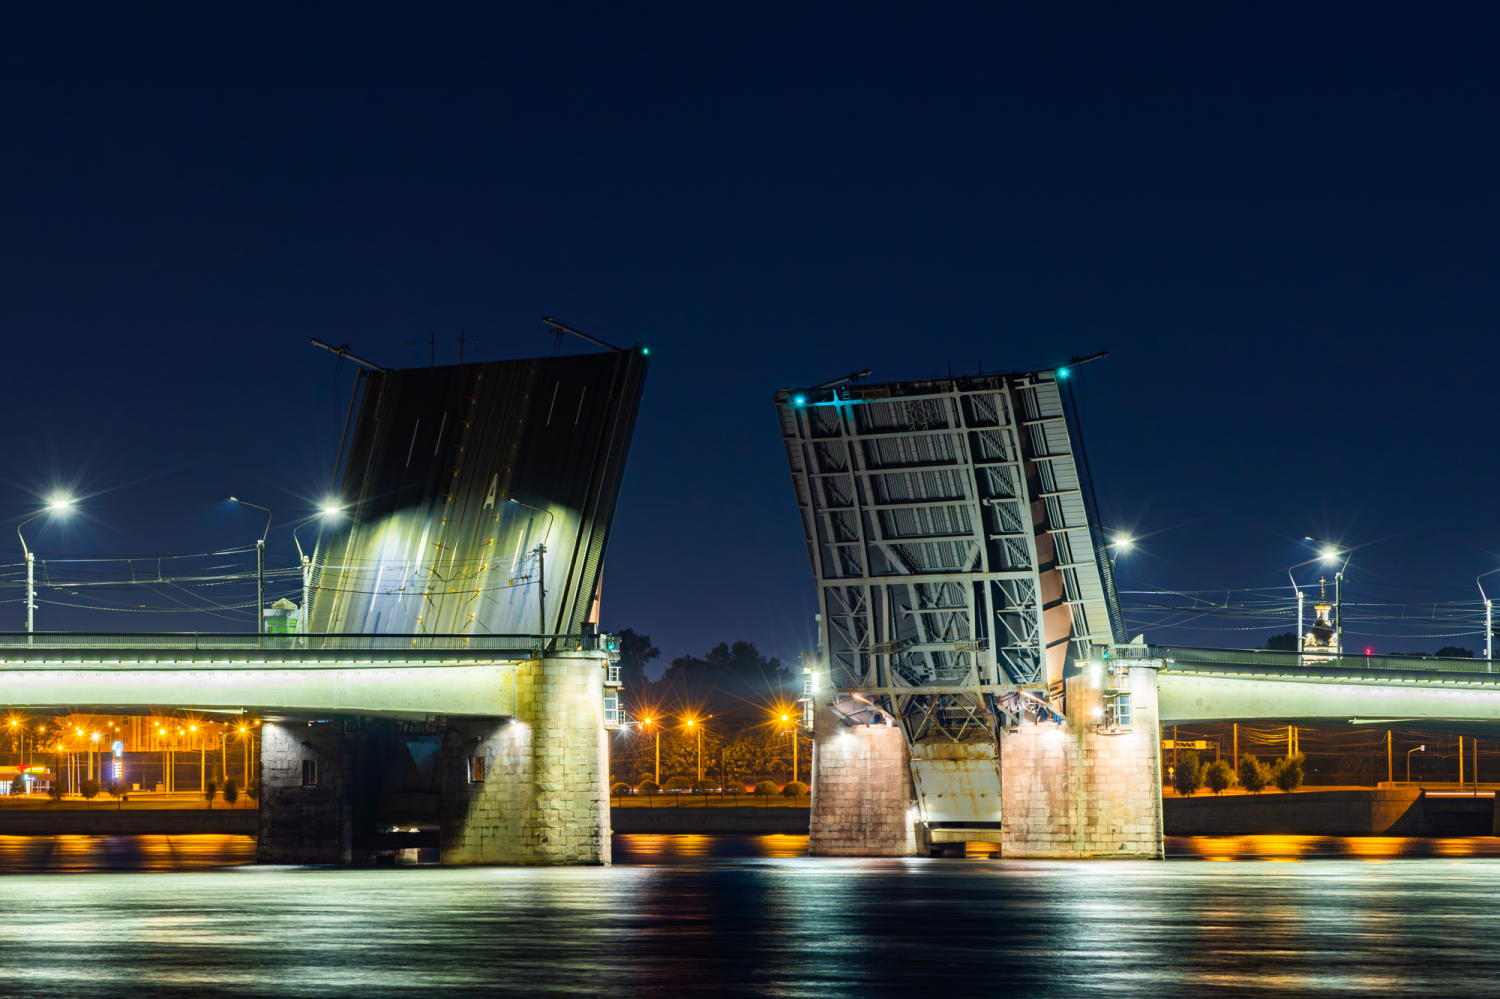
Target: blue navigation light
645,351
1062,372
800,399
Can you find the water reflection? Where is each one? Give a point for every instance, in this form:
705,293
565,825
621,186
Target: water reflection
749,915
76,854
1285,848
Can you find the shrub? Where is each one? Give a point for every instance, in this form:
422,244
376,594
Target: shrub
210,792
705,785
1218,776
679,784
648,787
1287,773
252,790
18,786
231,792
55,792
1254,775
619,787
796,789
767,787
1188,777
89,789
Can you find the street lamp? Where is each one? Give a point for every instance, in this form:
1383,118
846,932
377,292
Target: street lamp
656,773
328,511
1419,749
260,566
61,504
541,566
1331,555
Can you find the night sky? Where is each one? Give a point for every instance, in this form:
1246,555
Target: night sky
1280,220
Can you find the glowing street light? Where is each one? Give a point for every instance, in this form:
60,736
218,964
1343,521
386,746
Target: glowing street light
59,505
329,511
655,773
1330,553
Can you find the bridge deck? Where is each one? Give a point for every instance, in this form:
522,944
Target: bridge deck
410,676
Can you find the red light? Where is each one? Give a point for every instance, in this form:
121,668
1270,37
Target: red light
1369,652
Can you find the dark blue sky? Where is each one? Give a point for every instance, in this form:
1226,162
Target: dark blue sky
1281,220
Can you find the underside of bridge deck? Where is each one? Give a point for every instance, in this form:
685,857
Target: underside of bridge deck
491,756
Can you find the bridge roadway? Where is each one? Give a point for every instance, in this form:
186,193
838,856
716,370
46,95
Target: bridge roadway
394,676
1208,685
495,746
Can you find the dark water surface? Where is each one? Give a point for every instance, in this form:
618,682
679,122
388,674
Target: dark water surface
699,915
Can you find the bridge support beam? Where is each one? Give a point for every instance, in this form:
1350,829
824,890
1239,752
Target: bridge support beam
528,788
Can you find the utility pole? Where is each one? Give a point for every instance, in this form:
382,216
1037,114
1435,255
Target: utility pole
541,584
1390,765
260,587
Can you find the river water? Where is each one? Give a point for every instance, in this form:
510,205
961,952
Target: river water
740,915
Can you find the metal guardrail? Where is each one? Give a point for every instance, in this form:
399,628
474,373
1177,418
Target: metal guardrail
209,641
1293,662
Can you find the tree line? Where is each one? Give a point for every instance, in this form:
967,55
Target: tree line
741,705
1190,775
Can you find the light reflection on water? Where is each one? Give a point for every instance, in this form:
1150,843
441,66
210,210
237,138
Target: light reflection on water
715,915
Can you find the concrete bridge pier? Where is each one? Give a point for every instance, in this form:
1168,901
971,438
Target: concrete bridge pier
527,788
1078,789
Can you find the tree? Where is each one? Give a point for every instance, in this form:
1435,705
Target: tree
635,652
1287,773
18,784
210,792
1454,652
795,789
1284,642
117,789
1254,775
55,792
1188,777
1218,776
89,789
648,787
231,792
767,788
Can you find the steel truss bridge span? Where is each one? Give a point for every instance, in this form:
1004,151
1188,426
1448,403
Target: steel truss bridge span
952,532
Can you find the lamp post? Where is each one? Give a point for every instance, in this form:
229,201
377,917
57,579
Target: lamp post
260,567
306,622
541,566
793,733
656,772
1338,586
694,726
59,505
1419,749
1488,620
1298,591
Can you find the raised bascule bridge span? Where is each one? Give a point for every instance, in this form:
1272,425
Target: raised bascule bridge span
975,681
447,682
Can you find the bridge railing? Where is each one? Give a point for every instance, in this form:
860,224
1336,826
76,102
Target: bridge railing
1302,661
17,641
